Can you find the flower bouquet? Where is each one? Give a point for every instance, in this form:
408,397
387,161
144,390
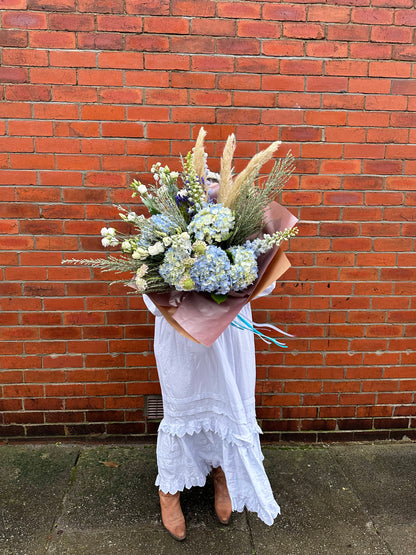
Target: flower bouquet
211,241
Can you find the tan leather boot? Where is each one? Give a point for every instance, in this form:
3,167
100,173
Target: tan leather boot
223,505
172,515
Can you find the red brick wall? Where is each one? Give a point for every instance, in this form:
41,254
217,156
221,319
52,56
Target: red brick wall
94,92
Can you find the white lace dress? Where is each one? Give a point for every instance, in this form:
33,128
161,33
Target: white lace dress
209,415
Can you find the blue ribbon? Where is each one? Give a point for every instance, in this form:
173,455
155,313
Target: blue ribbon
244,324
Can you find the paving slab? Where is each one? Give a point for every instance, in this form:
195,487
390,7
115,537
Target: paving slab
33,481
356,499
384,478
321,514
112,507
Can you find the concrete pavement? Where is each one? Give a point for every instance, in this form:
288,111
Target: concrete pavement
83,499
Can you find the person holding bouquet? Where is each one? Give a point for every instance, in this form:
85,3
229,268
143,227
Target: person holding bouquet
208,248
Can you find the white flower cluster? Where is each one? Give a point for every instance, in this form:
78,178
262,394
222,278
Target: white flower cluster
260,246
109,238
139,281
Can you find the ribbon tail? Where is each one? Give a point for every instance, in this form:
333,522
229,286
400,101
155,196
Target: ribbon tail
247,325
275,328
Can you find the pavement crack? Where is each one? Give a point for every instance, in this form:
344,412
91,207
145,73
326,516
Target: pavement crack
59,511
253,547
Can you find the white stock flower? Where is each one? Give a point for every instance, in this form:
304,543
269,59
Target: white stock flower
126,246
141,285
155,249
142,189
140,254
131,216
141,271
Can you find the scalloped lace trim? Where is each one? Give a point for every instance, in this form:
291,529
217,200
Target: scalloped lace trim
220,424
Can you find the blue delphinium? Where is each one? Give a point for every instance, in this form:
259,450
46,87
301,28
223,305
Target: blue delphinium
211,271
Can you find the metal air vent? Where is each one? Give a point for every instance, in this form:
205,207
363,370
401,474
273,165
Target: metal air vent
154,407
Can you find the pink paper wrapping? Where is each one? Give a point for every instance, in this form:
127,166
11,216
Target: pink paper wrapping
198,317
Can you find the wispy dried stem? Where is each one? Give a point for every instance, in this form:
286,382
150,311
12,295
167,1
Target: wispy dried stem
250,172
226,177
199,155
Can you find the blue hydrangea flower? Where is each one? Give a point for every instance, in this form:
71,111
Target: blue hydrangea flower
174,267
244,268
164,224
213,223
211,272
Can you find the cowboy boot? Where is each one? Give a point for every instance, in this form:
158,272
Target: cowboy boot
223,505
172,516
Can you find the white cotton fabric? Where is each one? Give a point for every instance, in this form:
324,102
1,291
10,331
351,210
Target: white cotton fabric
209,415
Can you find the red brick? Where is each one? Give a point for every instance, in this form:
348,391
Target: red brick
56,5
13,38
256,65
13,75
52,39
71,22
370,51
166,62
284,12
326,49
26,57
303,30
365,85
372,16
24,20
407,52
222,98
100,41
282,48
327,84
348,32
122,23
55,111
217,27
246,10
390,69
258,29
237,46
13,4
391,34
351,67
201,8
301,67
96,6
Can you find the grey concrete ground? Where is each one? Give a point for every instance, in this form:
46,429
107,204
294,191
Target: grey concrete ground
96,500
